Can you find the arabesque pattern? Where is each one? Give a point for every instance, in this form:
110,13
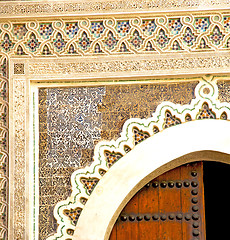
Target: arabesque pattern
158,35
136,130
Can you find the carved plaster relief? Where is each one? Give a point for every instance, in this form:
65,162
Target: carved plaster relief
127,35
19,149
65,8
72,120
81,49
4,157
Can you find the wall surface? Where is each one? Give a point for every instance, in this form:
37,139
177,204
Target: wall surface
73,73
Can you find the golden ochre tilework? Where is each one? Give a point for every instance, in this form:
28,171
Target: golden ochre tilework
224,90
71,122
138,101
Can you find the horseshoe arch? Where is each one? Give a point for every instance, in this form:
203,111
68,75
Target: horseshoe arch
174,135
148,160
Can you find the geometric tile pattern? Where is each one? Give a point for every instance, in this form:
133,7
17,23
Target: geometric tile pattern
97,28
110,41
136,40
71,29
216,36
206,113
112,33
139,135
59,43
189,37
19,30
174,25
32,43
226,22
6,44
123,28
84,41
148,26
162,39
45,30
89,184
170,120
73,214
202,24
112,157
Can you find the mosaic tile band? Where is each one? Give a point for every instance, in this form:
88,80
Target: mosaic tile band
112,36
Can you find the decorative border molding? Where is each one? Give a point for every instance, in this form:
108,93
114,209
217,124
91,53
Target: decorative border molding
19,153
176,65
111,36
84,69
204,106
4,157
65,8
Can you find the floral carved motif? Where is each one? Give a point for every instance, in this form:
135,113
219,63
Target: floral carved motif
19,161
115,36
142,65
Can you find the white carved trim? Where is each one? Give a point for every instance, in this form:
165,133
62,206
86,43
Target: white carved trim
124,66
142,164
103,7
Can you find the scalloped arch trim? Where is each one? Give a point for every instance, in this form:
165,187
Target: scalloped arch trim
108,155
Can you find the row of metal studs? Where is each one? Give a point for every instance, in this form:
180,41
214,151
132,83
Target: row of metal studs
163,217
171,184
195,208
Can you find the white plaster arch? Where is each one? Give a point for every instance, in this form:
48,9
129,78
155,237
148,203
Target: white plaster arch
192,141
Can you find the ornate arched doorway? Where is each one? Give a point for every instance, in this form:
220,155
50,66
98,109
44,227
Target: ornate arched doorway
148,160
147,148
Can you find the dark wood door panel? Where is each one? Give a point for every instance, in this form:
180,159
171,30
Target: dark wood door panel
170,207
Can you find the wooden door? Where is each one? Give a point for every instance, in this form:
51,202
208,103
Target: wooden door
170,207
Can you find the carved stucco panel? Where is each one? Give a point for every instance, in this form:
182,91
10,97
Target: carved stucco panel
52,8
176,65
19,149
